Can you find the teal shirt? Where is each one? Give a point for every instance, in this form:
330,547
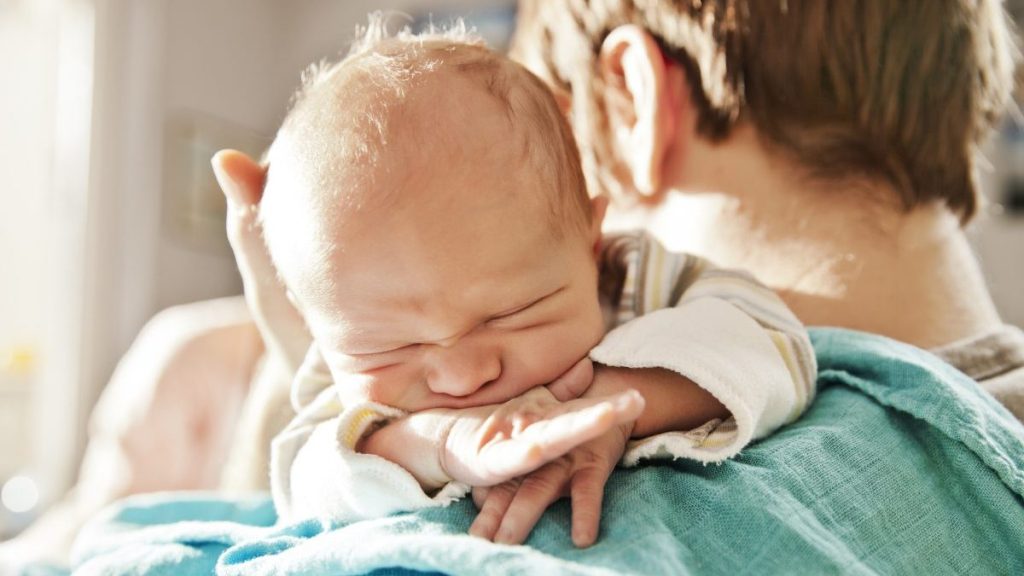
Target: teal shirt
902,466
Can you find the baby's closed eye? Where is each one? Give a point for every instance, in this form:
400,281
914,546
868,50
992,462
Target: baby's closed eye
364,362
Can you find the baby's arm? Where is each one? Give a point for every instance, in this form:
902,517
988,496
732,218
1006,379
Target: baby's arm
672,402
717,330
488,445
330,463
749,354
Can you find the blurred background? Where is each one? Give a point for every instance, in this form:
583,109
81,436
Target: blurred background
109,113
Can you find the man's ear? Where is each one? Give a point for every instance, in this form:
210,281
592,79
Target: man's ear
639,105
240,177
598,208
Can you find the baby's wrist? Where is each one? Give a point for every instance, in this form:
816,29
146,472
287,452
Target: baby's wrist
608,381
673,402
416,443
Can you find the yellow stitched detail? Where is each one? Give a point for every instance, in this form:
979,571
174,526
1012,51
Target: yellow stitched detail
358,424
794,374
718,440
656,296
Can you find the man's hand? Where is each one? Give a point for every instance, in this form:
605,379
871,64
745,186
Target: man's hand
509,512
280,324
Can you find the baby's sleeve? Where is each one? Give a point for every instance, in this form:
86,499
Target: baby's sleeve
733,337
315,471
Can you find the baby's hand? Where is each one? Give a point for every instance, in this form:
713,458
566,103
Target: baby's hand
491,444
509,512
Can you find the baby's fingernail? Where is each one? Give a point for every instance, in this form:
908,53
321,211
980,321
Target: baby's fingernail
628,399
583,536
504,536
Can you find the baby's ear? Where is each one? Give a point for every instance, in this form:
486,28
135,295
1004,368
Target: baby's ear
598,208
240,177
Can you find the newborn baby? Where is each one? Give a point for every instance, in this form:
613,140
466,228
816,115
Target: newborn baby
426,209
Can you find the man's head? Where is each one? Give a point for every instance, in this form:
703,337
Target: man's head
425,206
900,92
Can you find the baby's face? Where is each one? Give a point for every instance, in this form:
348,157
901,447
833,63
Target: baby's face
430,273
459,299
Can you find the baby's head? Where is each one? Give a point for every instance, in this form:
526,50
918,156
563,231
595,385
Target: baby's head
426,208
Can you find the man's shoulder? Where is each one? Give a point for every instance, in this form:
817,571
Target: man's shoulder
995,359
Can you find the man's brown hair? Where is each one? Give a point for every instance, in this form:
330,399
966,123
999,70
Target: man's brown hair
899,90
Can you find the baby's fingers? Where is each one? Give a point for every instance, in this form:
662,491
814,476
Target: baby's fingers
578,421
535,493
493,507
587,494
574,423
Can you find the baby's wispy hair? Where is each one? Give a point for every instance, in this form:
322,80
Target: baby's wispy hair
344,114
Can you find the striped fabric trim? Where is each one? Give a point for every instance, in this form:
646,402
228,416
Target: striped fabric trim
648,277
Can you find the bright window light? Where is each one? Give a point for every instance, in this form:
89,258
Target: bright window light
20,494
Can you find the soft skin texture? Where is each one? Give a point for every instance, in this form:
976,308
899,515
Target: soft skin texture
404,268
424,299
534,436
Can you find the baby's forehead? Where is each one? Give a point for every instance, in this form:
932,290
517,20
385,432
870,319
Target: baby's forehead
383,125
368,122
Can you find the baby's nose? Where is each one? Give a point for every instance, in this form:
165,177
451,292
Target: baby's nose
462,369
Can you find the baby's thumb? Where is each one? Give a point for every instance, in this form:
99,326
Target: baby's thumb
574,382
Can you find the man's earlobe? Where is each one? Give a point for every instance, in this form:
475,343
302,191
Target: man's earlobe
637,104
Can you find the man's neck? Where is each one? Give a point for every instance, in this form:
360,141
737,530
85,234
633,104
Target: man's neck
835,256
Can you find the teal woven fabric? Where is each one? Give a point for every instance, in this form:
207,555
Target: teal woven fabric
902,466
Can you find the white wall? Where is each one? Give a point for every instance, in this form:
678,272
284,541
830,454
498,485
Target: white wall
28,51
26,137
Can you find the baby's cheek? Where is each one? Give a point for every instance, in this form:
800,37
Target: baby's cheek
352,390
355,388
553,360
397,387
